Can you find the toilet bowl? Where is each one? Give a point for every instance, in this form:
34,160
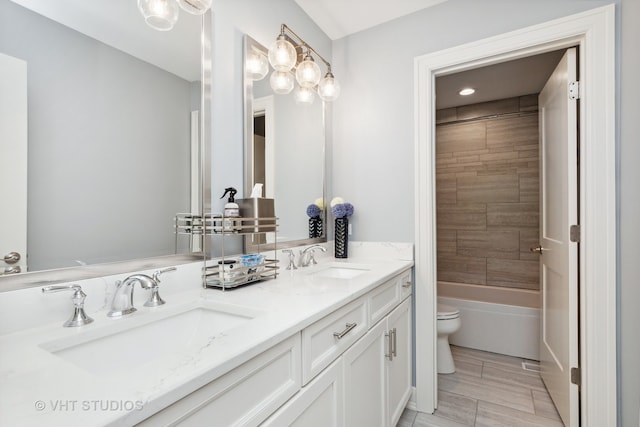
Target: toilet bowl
448,322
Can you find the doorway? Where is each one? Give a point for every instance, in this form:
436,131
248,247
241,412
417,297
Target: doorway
593,33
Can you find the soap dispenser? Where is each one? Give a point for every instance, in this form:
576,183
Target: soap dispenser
231,210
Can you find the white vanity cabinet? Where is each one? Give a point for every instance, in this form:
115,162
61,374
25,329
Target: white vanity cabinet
377,372
246,396
350,368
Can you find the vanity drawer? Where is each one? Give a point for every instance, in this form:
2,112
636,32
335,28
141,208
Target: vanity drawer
329,337
406,285
388,295
246,396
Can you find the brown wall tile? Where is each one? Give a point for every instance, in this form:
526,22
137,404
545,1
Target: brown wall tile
446,242
489,244
489,189
462,269
515,131
513,273
512,216
460,137
461,216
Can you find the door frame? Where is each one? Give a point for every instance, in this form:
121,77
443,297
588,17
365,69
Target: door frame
593,32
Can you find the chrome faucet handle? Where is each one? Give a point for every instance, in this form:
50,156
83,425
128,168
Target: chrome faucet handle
155,299
79,317
292,259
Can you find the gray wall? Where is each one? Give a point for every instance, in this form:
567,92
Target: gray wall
629,209
108,145
372,153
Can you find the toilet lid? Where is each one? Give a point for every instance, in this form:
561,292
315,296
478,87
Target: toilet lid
447,312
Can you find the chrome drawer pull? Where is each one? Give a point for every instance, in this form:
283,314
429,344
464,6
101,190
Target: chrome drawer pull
407,284
395,342
389,355
349,327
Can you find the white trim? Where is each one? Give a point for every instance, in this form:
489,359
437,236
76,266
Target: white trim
593,31
411,403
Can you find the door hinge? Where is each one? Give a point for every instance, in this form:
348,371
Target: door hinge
575,376
574,90
574,233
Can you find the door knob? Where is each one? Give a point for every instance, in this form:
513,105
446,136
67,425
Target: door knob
12,257
537,249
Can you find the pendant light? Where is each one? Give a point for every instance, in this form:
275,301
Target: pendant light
257,65
308,72
282,82
328,88
282,54
304,95
159,14
195,7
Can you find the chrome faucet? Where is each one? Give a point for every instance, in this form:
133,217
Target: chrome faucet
307,256
79,317
122,303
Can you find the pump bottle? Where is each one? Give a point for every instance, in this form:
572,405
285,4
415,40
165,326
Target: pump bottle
231,210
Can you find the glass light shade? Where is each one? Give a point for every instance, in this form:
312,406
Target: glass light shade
160,15
305,95
308,72
328,88
195,7
257,65
282,82
282,55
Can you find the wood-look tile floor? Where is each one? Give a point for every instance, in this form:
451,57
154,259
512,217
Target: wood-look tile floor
487,389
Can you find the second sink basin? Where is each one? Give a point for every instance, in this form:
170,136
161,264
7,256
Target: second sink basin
340,272
116,352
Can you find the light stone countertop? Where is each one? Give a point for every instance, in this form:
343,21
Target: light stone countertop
39,388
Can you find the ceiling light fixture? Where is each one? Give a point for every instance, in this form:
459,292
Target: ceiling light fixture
162,15
286,54
467,91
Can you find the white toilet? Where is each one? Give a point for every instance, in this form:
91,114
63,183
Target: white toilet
448,323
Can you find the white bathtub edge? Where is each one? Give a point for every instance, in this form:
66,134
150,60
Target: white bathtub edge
498,328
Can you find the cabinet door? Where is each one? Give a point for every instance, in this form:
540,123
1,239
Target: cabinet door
364,380
318,404
399,368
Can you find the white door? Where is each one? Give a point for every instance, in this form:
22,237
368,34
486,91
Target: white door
13,164
558,211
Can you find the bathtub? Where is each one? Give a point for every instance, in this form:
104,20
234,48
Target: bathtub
499,320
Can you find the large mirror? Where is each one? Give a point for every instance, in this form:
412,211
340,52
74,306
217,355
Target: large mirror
284,151
111,133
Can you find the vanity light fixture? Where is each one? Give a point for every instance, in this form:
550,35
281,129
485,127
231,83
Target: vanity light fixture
467,91
257,65
304,95
162,15
286,54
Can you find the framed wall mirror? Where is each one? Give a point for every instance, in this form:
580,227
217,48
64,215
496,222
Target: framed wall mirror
284,149
114,136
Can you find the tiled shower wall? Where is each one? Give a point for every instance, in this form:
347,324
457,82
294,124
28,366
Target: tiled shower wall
487,184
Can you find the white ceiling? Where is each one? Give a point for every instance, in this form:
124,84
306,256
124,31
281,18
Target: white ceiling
339,18
119,24
523,76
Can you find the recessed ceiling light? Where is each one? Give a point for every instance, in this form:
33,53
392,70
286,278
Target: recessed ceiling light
467,91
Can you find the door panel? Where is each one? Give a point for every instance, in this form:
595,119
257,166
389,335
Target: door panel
559,210
13,162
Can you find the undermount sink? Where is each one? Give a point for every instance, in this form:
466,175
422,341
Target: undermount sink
124,350
340,272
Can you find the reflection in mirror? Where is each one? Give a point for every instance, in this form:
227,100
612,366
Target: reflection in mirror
112,117
284,150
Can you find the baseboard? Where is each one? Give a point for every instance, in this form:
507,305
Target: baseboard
411,404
